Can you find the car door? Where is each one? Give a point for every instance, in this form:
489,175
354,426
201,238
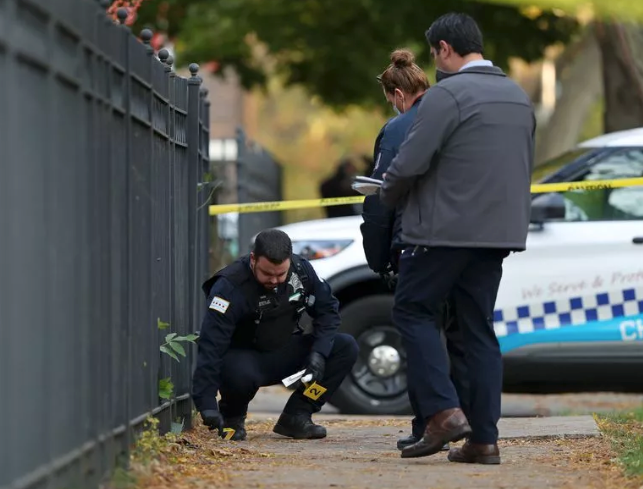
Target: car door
581,279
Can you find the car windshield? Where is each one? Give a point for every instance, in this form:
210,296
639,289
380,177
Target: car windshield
541,172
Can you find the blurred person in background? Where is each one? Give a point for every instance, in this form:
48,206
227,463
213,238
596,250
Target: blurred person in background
464,172
339,185
404,84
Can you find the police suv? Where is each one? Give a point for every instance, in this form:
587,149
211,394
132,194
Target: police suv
569,313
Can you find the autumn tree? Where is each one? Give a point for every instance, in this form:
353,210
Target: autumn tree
611,46
335,49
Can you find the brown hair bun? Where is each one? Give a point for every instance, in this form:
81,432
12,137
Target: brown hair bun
402,58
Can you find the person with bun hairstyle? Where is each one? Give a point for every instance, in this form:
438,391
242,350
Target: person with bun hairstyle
404,84
464,174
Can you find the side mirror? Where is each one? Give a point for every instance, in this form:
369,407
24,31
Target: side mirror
547,207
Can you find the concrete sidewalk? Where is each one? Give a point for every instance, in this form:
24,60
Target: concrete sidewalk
509,428
360,452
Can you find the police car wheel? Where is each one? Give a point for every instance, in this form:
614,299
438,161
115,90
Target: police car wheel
377,382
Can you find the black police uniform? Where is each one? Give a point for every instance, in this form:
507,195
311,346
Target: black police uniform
250,338
381,231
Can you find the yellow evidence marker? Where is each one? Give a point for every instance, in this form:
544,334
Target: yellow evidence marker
314,391
229,433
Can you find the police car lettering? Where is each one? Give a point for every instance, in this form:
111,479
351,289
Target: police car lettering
219,304
632,330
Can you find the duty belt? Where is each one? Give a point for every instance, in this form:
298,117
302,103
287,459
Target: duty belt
415,250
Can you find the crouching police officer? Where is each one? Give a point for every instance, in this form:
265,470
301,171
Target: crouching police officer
250,338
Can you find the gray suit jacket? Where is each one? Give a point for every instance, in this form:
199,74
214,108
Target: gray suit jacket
466,164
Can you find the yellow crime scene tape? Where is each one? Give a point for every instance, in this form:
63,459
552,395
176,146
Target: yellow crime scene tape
286,205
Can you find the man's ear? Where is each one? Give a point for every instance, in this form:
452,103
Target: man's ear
444,47
252,258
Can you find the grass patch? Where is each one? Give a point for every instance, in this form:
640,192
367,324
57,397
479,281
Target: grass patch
624,430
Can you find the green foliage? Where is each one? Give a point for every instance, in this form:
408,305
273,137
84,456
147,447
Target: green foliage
172,344
166,388
616,10
162,325
625,431
148,443
172,347
334,49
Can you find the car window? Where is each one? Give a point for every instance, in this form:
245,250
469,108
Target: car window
608,204
541,172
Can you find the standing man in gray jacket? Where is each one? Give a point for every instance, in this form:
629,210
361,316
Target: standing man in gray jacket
465,172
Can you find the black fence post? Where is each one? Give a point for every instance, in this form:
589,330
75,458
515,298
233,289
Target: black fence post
194,83
258,179
126,326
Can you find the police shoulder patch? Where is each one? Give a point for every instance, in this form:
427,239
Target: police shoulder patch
295,282
219,304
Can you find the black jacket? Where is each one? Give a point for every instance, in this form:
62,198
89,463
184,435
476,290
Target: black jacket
382,226
243,314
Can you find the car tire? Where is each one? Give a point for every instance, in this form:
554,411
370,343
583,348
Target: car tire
357,318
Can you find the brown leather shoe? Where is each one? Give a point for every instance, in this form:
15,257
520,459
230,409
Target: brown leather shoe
445,427
475,453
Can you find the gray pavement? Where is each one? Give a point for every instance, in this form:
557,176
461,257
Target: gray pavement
536,428
272,400
359,452
538,452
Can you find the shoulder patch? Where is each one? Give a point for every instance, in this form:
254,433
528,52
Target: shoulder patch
295,282
219,304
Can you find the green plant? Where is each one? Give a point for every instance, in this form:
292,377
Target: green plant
166,388
172,347
624,429
148,443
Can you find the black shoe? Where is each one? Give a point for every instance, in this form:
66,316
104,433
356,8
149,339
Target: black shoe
299,427
238,424
407,441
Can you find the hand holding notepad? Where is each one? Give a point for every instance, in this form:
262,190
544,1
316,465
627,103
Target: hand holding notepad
366,185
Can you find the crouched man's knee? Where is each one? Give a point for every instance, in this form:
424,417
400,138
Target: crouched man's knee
240,381
345,349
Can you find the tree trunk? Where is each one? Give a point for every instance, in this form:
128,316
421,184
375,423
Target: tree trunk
621,47
580,86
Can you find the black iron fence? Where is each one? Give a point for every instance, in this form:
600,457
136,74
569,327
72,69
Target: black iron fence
259,179
103,240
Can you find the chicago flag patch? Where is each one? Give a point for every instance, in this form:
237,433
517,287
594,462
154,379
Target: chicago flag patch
219,304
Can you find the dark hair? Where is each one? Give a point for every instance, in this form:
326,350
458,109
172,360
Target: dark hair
403,74
274,245
460,31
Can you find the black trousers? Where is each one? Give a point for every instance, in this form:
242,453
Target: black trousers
470,277
245,371
454,344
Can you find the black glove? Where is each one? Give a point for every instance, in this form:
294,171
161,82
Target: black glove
213,419
315,366
390,280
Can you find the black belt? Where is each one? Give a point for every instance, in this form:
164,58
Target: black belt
415,249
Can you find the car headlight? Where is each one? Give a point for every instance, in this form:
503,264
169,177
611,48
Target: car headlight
314,250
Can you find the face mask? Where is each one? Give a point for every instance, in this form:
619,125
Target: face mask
397,111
